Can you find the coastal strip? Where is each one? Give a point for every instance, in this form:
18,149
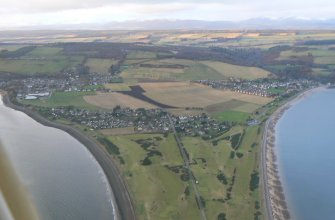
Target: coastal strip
124,209
275,202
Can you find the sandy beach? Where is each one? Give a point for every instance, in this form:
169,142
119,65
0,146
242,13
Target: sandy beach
275,202
123,201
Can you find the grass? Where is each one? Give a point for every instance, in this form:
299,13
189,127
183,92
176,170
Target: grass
100,65
158,192
42,66
118,87
59,99
243,72
44,52
213,160
134,55
192,71
113,99
183,94
232,116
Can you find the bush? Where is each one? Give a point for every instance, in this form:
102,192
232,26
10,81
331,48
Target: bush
254,181
222,216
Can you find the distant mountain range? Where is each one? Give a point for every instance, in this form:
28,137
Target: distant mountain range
256,23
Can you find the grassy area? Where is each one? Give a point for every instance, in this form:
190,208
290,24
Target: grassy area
118,86
191,71
243,72
232,116
58,99
159,193
223,180
100,65
44,52
44,66
134,55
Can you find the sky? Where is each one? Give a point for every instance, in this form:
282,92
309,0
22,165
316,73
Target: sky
17,13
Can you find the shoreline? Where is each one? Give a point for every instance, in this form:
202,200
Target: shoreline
274,194
123,204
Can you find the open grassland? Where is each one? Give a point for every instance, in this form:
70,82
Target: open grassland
42,66
41,60
44,52
118,86
224,180
59,99
158,192
100,65
232,116
166,69
113,99
135,55
229,70
184,94
10,47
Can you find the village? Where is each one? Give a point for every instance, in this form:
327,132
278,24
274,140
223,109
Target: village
141,120
261,87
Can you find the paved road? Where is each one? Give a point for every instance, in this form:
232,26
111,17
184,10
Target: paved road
187,166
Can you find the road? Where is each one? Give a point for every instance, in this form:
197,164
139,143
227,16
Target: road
187,166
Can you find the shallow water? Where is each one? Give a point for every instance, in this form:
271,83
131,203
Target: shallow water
64,179
306,147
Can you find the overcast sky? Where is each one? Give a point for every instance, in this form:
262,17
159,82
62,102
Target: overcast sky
15,13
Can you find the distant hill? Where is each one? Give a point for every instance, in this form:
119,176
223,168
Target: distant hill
256,23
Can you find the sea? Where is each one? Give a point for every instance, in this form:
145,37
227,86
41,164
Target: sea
306,155
63,179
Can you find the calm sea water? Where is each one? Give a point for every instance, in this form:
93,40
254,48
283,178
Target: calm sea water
306,147
65,181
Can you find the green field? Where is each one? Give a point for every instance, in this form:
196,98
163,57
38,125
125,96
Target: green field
42,60
243,72
100,65
232,116
44,52
212,160
118,86
59,99
159,193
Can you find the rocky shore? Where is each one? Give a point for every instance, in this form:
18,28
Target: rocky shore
276,204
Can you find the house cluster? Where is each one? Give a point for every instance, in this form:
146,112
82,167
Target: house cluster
199,125
41,87
143,120
265,88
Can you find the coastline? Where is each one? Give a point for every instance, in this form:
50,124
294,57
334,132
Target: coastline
274,196
122,200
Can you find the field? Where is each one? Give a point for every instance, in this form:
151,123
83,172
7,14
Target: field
229,70
100,65
42,60
58,99
118,87
183,94
159,192
111,100
224,180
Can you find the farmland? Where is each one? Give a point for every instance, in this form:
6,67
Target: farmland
41,60
229,70
100,65
185,94
181,69
111,100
